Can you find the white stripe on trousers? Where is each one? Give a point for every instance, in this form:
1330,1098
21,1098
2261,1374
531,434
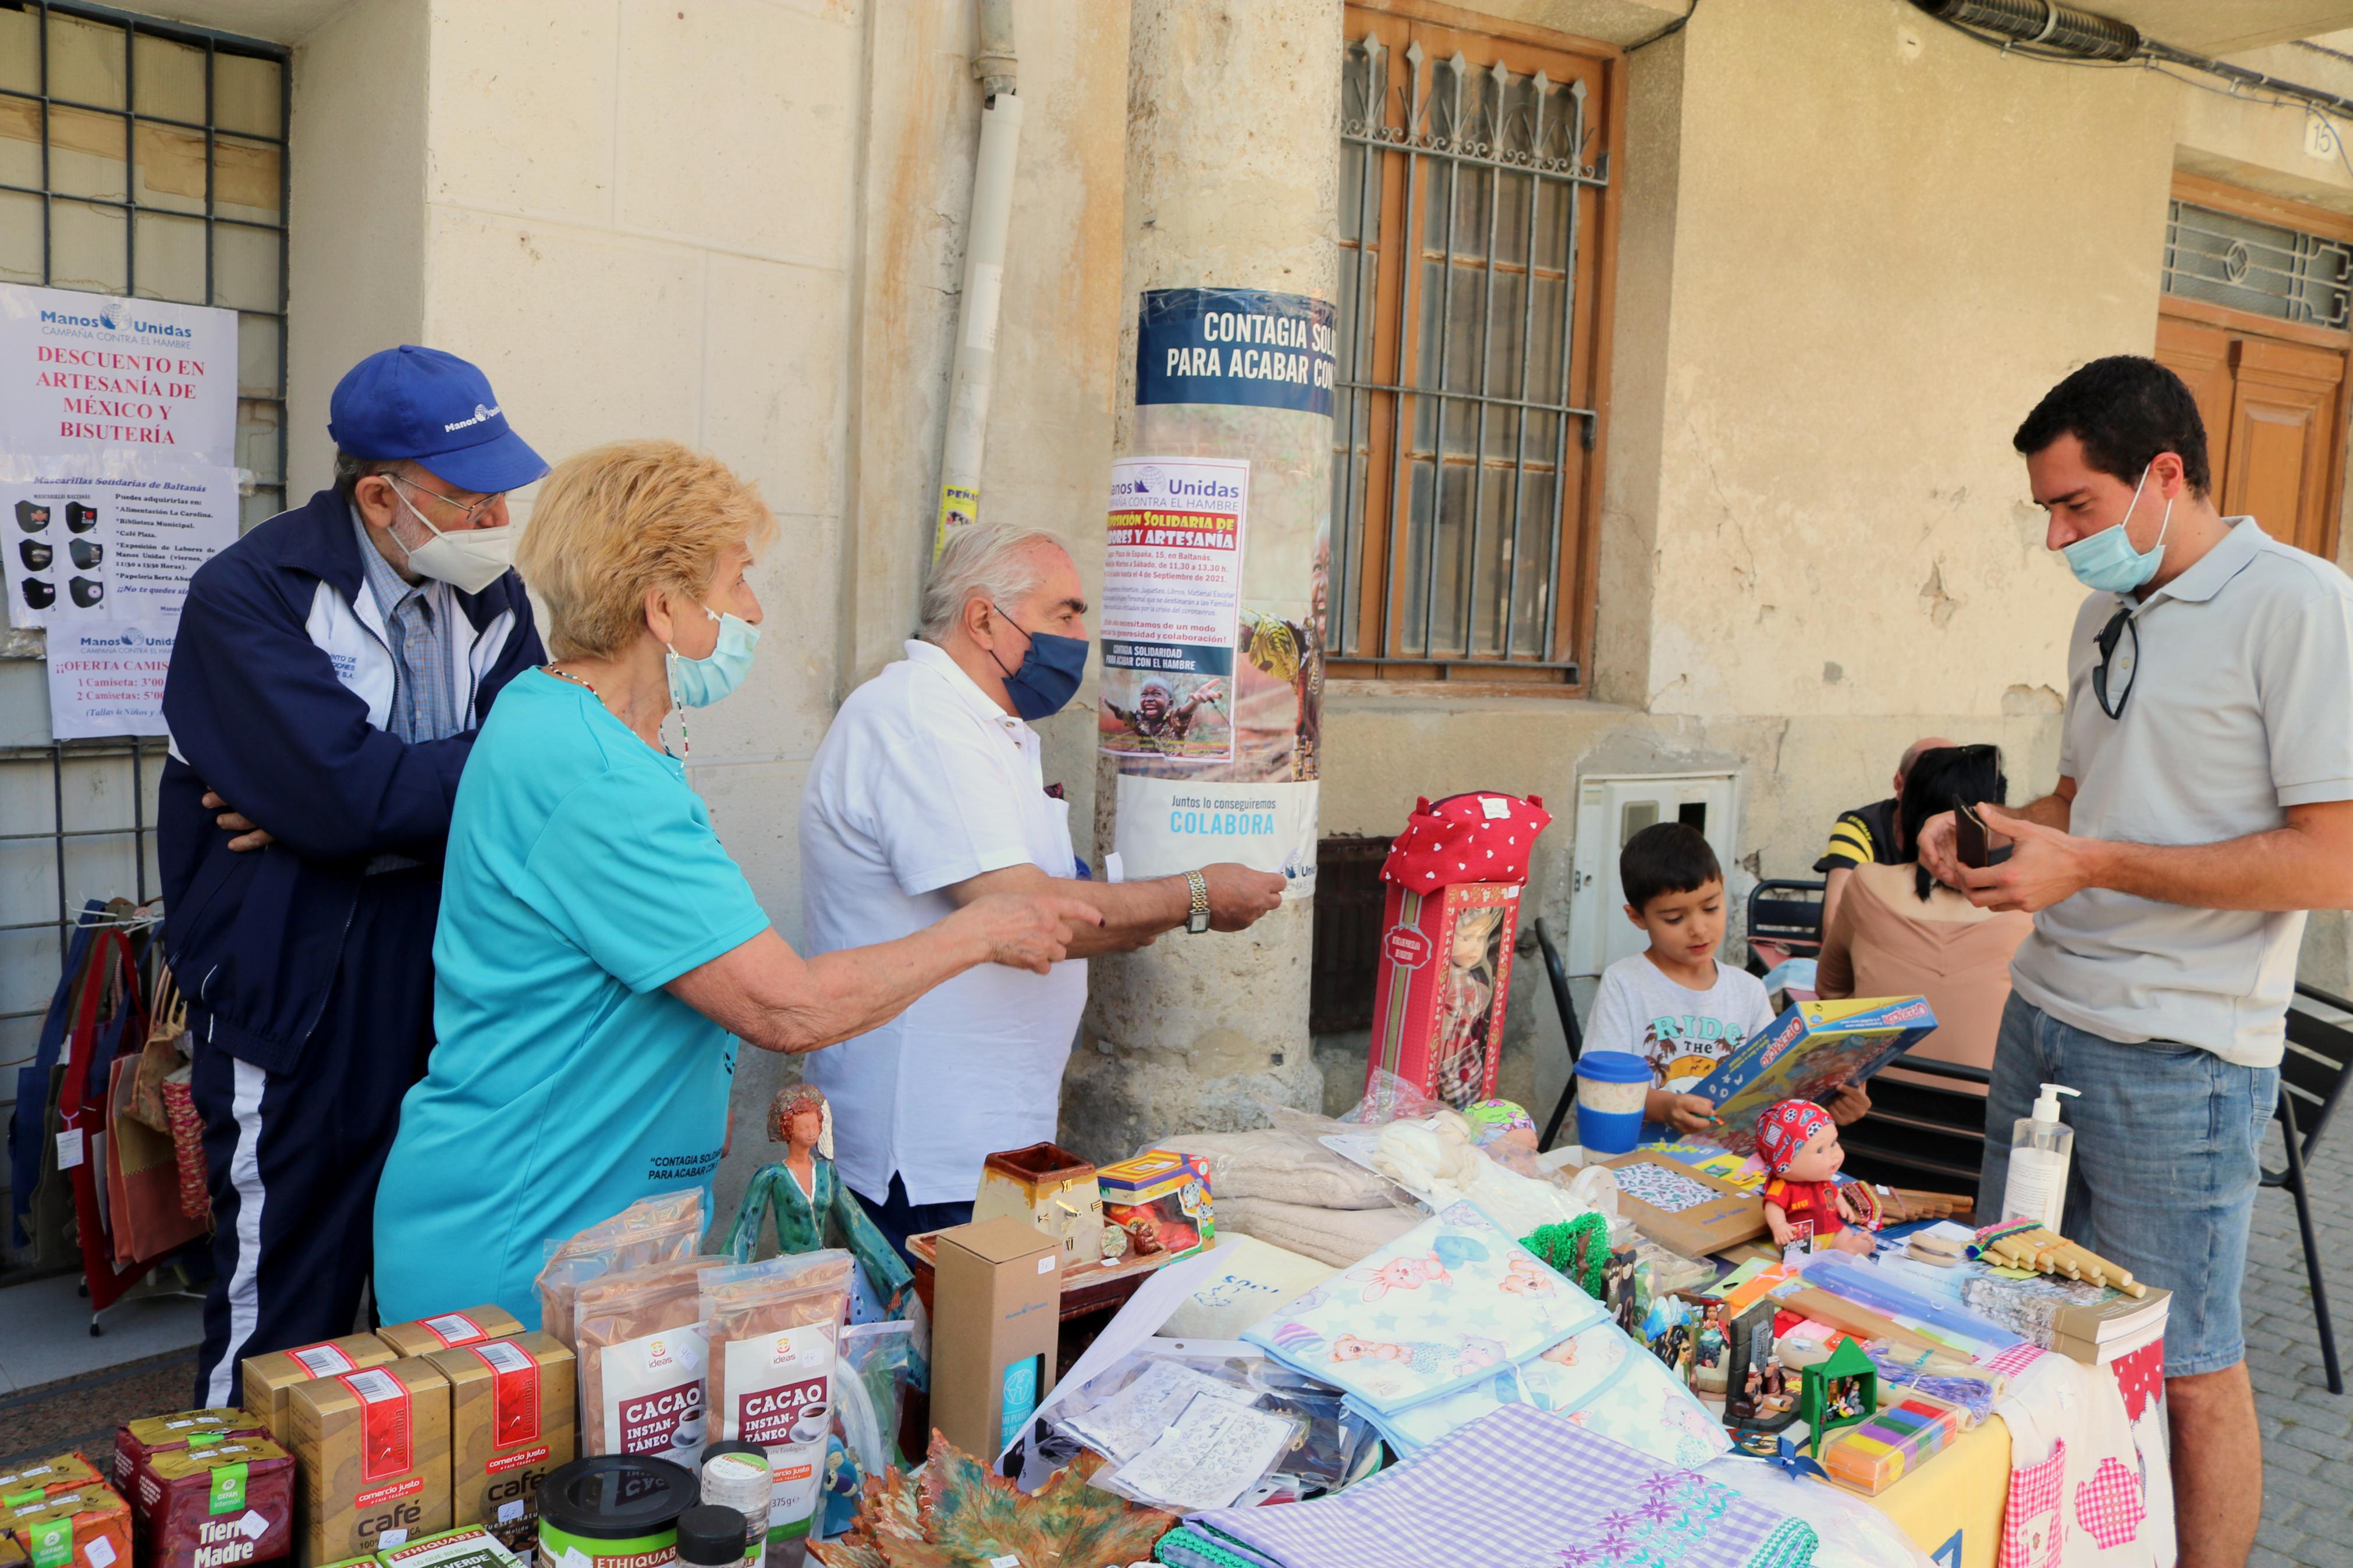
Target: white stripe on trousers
245,1175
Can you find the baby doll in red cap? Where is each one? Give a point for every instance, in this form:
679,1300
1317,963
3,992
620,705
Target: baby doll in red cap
1803,1202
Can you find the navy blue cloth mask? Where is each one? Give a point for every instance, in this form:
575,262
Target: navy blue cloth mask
1050,672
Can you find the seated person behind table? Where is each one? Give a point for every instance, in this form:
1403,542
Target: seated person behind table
1677,1006
1900,933
1871,835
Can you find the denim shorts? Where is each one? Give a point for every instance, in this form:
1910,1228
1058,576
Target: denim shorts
2166,1167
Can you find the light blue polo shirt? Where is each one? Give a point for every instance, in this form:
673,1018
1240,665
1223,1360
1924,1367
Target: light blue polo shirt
582,876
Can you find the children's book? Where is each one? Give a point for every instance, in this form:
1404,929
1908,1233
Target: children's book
1809,1053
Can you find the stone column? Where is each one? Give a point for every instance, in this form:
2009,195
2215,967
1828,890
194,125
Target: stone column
1232,184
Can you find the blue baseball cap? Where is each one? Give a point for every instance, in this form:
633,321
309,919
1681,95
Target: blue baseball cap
432,408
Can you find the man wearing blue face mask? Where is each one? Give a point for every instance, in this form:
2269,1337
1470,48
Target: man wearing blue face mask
927,794
332,670
2204,803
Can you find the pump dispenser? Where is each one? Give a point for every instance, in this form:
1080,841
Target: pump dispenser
2040,1148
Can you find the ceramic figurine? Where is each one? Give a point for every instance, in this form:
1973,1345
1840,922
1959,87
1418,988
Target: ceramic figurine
813,1209
1804,1205
1708,1353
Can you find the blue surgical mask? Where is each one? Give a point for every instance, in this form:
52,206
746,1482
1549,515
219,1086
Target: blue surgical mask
1050,672
2106,561
699,682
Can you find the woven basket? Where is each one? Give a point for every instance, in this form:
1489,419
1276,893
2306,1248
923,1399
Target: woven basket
187,1144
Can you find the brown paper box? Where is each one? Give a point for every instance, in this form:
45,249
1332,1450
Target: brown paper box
373,1447
999,1292
445,1330
512,1421
268,1377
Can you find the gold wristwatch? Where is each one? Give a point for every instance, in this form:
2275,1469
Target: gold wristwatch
1197,919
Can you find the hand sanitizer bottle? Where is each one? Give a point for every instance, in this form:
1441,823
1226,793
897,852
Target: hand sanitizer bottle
2040,1146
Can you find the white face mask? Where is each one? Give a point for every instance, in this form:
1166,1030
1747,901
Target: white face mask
471,560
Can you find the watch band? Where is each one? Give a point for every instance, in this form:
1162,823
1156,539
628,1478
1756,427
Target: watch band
1196,919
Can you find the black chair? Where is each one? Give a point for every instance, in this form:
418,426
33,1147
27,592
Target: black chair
1921,1135
2312,1080
1788,914
1558,973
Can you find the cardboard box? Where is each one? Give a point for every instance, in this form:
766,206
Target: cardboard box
453,1549
89,1527
1161,1199
1050,1188
268,1377
1445,976
58,1473
999,1292
373,1449
1807,1053
218,1502
140,1441
474,1326
512,1420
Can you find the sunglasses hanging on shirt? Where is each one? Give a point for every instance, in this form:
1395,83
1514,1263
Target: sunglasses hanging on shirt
2119,645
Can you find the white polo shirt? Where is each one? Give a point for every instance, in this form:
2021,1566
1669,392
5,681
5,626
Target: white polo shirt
921,783
2241,706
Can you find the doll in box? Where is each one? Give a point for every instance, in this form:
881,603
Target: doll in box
1804,1203
1462,1004
812,1207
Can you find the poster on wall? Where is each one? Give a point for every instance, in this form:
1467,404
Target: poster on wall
106,678
1172,607
89,374
1171,825
111,539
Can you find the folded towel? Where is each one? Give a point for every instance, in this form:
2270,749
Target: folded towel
1341,1238
1519,1488
1287,1166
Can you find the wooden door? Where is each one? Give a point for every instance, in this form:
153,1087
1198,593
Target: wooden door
2274,416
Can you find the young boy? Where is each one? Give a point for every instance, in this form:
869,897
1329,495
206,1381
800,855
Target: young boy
1676,1006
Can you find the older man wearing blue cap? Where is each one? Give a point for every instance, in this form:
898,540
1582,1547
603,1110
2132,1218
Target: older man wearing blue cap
330,670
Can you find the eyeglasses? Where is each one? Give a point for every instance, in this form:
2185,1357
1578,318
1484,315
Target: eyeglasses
2112,678
472,516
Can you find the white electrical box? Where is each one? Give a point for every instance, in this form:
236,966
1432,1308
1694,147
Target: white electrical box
1612,809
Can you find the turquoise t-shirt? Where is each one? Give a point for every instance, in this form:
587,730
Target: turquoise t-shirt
582,876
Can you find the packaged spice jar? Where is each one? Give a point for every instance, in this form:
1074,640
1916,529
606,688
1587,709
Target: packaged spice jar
613,1511
218,1501
661,1229
640,1338
510,1423
773,1328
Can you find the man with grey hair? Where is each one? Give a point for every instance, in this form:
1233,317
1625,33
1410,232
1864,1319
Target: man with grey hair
927,794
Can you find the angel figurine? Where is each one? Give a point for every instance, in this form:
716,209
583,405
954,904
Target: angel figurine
813,1209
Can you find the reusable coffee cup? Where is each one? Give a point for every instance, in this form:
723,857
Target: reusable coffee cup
1610,1089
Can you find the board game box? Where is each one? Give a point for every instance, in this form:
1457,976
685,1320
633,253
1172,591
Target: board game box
1807,1053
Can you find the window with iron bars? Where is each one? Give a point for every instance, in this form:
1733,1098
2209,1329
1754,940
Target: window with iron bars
1475,230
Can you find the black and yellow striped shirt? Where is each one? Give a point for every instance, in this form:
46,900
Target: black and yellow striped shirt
1865,835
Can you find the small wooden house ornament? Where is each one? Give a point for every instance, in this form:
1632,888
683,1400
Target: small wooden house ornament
1841,1390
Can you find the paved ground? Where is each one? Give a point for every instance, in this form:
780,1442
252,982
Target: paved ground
2308,1431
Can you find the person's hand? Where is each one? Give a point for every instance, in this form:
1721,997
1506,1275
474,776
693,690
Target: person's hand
1936,850
1026,931
248,836
2044,865
1684,1112
1238,896
1851,1104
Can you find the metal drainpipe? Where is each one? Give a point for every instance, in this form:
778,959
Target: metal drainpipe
984,272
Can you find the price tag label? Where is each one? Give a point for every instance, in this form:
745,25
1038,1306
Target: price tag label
69,1148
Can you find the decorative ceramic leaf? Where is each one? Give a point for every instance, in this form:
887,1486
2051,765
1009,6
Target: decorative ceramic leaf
979,1517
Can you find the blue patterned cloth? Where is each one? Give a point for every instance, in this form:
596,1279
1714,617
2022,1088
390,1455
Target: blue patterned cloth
421,625
1517,1489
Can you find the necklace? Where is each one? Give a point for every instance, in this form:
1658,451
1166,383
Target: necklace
685,741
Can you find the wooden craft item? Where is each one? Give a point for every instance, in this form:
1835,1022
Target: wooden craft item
1726,1219
1841,1313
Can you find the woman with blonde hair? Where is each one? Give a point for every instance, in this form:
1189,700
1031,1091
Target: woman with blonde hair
598,953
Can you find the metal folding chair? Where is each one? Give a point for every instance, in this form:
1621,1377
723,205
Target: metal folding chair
2312,1082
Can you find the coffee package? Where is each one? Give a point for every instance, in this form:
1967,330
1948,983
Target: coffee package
218,1502
772,1328
474,1326
373,1447
88,1527
474,1548
138,1443
510,1422
665,1228
268,1377
640,1341
58,1473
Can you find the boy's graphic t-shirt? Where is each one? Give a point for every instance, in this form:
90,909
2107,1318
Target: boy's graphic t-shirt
1682,1033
